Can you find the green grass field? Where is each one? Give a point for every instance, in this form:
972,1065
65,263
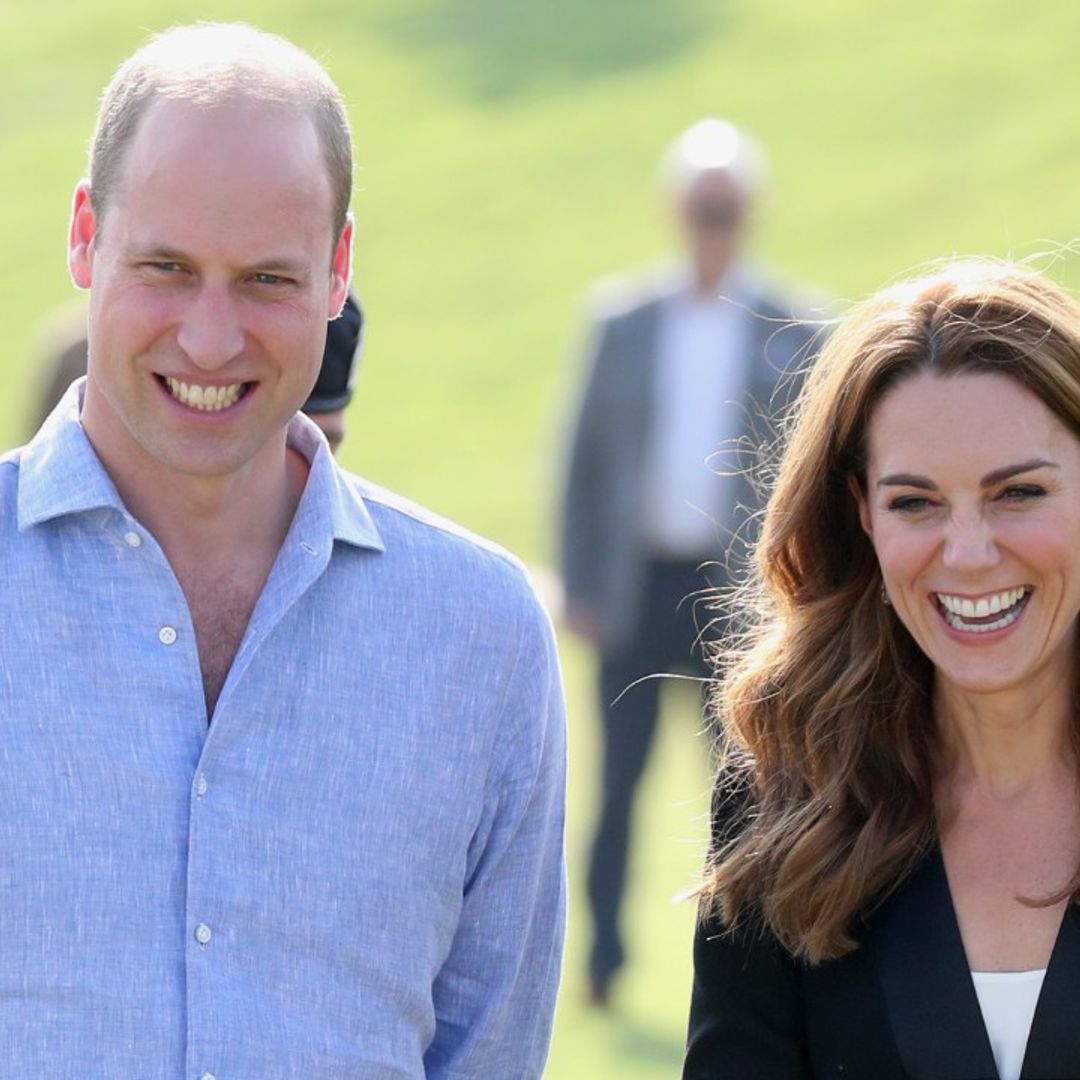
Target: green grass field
507,155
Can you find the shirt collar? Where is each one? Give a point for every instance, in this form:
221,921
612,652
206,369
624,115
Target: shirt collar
59,474
331,503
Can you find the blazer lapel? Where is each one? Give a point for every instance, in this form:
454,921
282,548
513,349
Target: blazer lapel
930,997
1053,1049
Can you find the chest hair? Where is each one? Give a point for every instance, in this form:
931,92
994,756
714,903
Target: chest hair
220,612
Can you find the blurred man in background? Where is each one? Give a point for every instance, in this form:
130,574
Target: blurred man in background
680,365
284,754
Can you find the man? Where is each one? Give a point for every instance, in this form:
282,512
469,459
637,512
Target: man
283,755
680,369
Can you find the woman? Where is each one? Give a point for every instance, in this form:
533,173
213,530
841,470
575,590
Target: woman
897,817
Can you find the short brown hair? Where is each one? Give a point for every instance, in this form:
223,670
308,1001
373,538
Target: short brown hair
213,64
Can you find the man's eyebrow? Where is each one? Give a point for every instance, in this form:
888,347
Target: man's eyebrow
282,262
159,252
296,266
995,476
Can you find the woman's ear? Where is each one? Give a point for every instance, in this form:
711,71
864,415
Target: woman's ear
857,493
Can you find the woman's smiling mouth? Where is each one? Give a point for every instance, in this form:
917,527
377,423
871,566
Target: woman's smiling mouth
994,611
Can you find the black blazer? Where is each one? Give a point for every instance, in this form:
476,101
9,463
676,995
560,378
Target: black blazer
902,1005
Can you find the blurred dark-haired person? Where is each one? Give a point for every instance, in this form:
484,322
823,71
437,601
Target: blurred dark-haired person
333,388
682,368
896,860
65,361
283,759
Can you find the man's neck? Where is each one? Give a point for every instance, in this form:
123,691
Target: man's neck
214,522
706,277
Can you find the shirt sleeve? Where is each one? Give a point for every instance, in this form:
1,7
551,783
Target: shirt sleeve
495,995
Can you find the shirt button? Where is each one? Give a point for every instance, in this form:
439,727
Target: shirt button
166,635
201,786
208,1076
133,539
203,934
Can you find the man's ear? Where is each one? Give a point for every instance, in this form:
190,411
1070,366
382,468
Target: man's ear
340,269
857,493
81,237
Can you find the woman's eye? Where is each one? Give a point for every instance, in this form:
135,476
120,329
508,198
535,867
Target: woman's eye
910,504
1020,492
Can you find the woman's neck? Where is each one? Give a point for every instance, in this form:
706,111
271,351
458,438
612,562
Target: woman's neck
1005,742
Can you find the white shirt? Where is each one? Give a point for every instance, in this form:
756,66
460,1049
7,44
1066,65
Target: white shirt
700,376
1007,1000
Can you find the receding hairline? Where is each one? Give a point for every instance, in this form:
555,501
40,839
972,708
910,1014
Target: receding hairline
213,65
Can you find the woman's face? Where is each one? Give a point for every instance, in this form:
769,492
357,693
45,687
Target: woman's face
972,504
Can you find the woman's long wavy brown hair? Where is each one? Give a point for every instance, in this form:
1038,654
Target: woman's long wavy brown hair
827,745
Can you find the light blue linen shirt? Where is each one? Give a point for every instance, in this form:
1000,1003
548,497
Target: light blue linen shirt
354,871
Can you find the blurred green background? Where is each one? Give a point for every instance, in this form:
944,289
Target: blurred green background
507,157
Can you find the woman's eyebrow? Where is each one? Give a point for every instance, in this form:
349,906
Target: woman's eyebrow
995,476
907,480
1009,471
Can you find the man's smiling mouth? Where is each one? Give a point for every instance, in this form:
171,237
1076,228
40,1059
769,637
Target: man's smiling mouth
992,612
205,398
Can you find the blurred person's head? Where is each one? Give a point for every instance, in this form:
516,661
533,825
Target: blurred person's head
211,65
334,386
713,172
59,359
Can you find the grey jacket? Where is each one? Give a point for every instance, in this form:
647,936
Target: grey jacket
602,553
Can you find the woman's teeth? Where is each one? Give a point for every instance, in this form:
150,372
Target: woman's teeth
959,611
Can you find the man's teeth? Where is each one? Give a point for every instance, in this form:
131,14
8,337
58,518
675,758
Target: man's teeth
204,398
958,609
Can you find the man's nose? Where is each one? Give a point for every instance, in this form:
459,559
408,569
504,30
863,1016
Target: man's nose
210,332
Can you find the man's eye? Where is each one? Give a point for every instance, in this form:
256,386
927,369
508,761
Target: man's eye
165,267
269,279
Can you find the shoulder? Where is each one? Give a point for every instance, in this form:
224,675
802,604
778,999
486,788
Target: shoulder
632,295
775,295
437,554
789,326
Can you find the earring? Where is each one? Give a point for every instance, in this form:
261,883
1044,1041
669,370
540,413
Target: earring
885,596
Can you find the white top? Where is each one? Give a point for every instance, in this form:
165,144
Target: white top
1008,1000
699,381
